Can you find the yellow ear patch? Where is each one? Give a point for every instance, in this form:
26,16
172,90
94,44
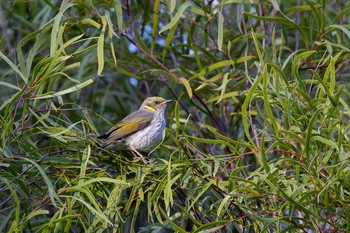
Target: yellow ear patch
149,108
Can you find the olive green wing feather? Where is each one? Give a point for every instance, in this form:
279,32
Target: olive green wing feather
129,125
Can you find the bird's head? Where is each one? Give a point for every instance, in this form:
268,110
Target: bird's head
154,103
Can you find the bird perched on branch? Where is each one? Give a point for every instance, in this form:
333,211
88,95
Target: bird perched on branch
141,130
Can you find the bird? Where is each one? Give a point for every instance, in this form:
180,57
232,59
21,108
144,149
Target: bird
141,130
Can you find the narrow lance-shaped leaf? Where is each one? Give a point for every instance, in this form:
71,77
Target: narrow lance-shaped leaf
310,126
222,87
91,22
119,13
218,65
64,92
110,35
155,24
248,99
100,47
296,65
179,13
220,28
55,27
187,86
172,5
267,101
52,192
13,66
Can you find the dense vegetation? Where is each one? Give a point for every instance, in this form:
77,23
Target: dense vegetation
258,136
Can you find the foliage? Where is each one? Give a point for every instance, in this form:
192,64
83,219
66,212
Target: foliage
258,136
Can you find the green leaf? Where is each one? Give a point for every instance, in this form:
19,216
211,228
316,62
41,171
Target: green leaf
246,103
296,64
267,104
282,20
33,215
155,24
119,13
187,86
91,22
325,141
97,212
55,37
309,133
340,27
64,92
220,28
100,47
52,192
10,85
13,66
222,87
179,13
218,65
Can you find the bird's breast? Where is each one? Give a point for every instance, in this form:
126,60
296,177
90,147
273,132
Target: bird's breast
149,137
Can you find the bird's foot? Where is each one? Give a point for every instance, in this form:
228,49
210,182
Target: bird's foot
141,156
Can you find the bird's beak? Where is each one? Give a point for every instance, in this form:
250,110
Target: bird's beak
167,101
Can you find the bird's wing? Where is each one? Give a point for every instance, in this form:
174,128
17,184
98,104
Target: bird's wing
130,124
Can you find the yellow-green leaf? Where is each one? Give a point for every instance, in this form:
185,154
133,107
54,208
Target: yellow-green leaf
187,86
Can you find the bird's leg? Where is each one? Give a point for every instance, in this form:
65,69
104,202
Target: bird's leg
140,155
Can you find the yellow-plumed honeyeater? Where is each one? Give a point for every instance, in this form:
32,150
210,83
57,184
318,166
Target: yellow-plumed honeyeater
141,130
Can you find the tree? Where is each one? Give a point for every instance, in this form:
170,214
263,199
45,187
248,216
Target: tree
258,132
